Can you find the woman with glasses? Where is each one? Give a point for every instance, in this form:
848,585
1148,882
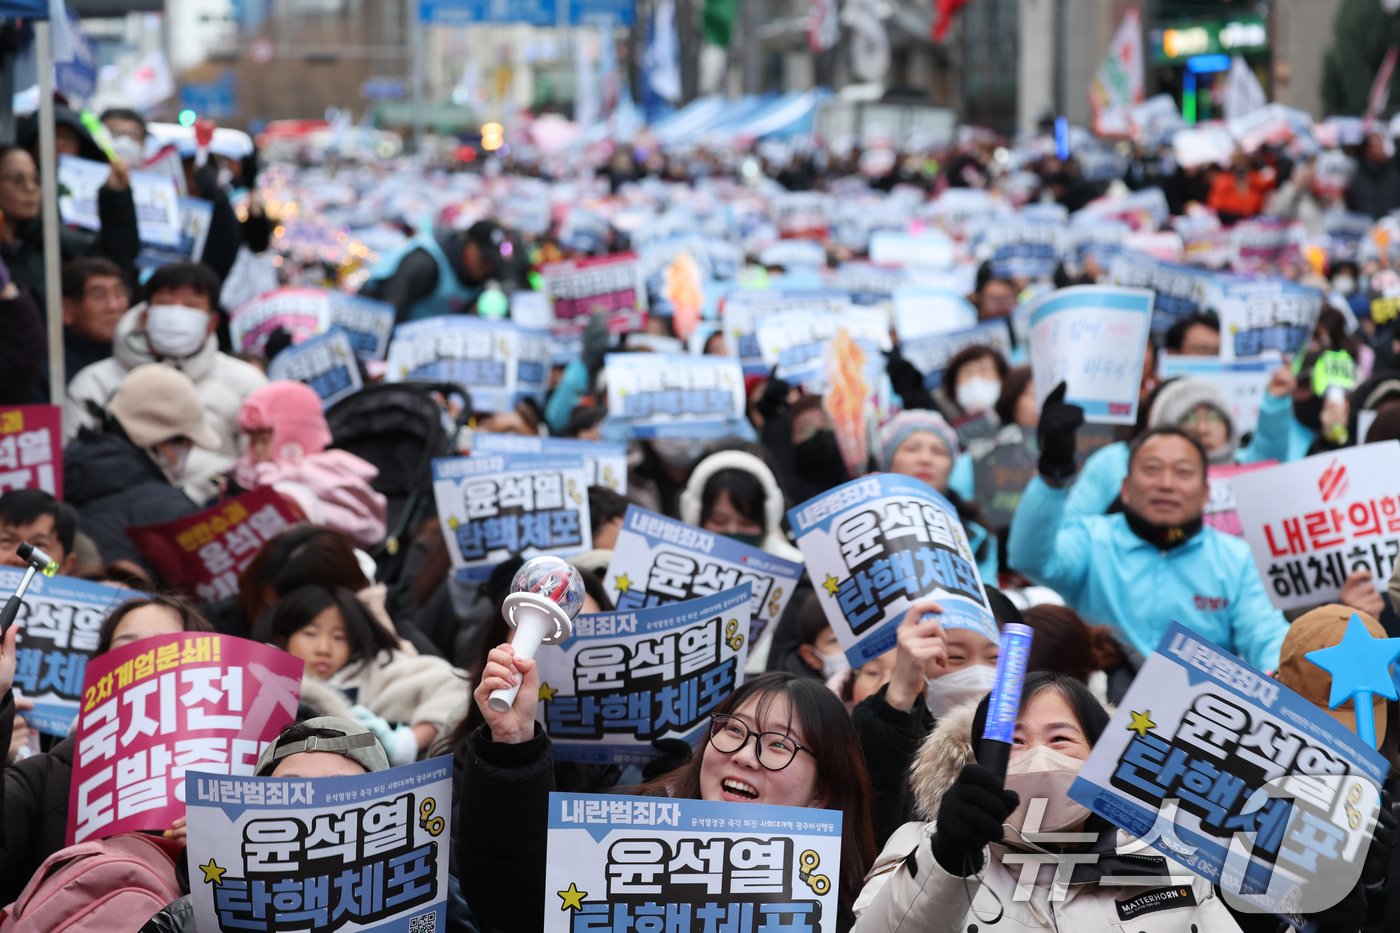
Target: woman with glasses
779,739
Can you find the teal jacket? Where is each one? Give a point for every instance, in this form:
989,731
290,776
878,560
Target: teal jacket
1112,577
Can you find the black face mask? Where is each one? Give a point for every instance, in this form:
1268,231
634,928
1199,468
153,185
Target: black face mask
1164,537
1309,413
818,461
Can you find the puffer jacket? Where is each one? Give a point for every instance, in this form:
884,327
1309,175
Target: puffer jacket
175,917
332,487
114,484
223,383
907,890
402,688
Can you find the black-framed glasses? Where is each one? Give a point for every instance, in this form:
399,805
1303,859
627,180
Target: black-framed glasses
775,750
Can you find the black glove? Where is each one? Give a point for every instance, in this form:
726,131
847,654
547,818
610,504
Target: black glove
1058,422
1377,864
905,379
969,817
774,397
595,341
1345,916
674,755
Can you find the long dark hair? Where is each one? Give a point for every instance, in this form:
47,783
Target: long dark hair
746,494
295,557
1065,642
190,617
1093,718
841,774
293,612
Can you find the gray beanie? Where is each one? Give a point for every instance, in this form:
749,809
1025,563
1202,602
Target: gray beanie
354,742
1179,398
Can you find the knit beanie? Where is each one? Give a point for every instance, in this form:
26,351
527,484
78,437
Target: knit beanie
897,430
1179,398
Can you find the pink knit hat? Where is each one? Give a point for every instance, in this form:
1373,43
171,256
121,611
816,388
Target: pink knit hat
292,411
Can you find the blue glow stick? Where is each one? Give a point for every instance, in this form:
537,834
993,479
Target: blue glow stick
1005,703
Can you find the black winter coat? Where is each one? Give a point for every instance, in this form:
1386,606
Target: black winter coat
175,917
34,824
114,484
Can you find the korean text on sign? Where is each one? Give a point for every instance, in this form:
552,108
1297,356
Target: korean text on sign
326,363
578,288
348,853
658,561
494,506
1093,338
1312,522
203,554
625,678
493,360
1244,758
743,309
59,621
153,708
31,449
877,544
689,866
674,395
605,464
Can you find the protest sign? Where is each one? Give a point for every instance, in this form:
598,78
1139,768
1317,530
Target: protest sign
603,464
1264,243
479,355
1243,381
623,679
658,561
877,544
1230,746
1021,248
1257,315
674,394
155,707
1312,522
203,554
196,217
346,853
1177,290
155,198
648,863
494,506
1000,475
802,213
326,363
930,353
369,323
1221,512
920,311
929,250
613,284
299,311
796,341
743,309
59,621
31,448
789,254
1092,337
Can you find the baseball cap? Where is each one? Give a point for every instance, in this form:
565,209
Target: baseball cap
1324,627
493,241
354,742
156,402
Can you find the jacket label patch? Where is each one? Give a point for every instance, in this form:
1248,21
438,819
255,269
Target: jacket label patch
1152,901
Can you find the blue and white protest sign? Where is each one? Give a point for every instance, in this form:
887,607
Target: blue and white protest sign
1238,777
658,561
481,356
196,217
1243,381
1023,249
623,679
674,394
1092,337
928,250
877,544
368,323
59,621
793,254
1259,315
743,309
921,311
604,464
649,863
349,853
1179,290
155,197
326,363
495,506
796,341
930,353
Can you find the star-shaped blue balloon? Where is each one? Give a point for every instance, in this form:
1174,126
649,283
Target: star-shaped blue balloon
1360,667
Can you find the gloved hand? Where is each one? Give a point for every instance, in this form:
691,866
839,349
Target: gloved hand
905,379
969,817
774,397
1345,916
596,340
674,755
1377,863
1056,433
399,742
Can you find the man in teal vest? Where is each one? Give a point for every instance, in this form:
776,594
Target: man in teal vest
440,272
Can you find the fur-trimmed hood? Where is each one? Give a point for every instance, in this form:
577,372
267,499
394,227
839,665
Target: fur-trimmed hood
774,541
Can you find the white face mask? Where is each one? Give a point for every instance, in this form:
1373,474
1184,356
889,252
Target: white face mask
177,469
680,452
1344,284
833,664
130,150
176,330
1041,773
978,393
955,688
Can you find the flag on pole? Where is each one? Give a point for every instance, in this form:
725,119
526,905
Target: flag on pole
947,9
823,28
1243,93
1117,86
1380,90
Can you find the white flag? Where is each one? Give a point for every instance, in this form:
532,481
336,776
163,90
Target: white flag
1118,84
1243,95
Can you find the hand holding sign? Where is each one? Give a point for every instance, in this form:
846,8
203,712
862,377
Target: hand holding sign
1058,424
921,648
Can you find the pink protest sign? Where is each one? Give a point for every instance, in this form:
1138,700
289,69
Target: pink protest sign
155,707
31,448
1221,512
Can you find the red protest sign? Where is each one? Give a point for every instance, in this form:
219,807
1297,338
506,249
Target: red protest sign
202,554
155,707
31,448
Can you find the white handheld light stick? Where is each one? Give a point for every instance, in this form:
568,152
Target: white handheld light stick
546,595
